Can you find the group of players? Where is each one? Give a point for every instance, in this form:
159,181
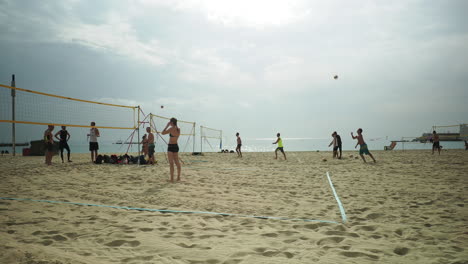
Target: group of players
336,142
148,144
172,152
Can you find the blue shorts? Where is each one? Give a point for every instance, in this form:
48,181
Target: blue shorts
363,149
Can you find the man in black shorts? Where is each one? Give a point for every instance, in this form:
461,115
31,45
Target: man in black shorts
93,143
63,141
239,145
435,142
338,139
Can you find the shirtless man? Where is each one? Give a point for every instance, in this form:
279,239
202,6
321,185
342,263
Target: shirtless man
150,142
363,146
335,144
239,145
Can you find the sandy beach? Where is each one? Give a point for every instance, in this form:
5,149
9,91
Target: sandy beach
409,207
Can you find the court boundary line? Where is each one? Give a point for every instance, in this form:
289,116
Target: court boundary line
171,211
340,205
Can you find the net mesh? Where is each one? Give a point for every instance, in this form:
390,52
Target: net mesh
37,108
212,138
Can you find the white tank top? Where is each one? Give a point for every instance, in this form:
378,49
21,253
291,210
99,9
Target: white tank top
92,135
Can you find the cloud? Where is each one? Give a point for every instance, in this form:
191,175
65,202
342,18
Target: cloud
256,14
116,35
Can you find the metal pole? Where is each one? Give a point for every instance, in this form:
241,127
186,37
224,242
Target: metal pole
138,132
201,139
13,125
194,124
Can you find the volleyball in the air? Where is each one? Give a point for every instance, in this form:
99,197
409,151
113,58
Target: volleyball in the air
335,77
162,106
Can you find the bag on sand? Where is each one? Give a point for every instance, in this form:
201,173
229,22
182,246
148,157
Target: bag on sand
142,160
99,159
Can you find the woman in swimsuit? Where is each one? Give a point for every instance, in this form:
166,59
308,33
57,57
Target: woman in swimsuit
173,148
49,145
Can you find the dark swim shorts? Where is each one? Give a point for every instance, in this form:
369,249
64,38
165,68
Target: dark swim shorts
93,146
173,148
151,150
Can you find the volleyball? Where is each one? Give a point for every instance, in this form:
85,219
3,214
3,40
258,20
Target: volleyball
162,106
335,77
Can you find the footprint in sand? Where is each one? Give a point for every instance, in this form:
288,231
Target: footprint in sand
270,235
118,243
330,240
192,246
341,233
374,216
355,254
401,251
366,228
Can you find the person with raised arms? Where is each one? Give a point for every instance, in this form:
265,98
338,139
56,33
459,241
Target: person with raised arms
363,146
173,148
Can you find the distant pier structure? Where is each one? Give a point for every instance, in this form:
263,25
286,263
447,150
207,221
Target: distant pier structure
446,133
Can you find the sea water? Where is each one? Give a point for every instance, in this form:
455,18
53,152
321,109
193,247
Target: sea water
256,145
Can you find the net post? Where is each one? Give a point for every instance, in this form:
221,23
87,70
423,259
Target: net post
194,124
13,124
201,139
138,138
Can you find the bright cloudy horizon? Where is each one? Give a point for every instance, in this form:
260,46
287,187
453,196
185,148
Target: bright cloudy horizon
257,67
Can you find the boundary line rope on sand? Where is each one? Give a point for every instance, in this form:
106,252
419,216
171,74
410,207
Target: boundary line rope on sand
342,211
171,211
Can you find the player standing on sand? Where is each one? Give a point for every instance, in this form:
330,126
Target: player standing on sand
338,140
435,142
49,144
173,148
239,145
335,145
63,141
151,146
93,144
363,146
280,147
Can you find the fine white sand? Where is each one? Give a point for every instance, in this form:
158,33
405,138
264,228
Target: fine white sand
409,207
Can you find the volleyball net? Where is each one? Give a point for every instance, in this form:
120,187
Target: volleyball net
211,137
37,108
187,133
31,110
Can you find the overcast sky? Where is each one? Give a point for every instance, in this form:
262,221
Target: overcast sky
257,67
